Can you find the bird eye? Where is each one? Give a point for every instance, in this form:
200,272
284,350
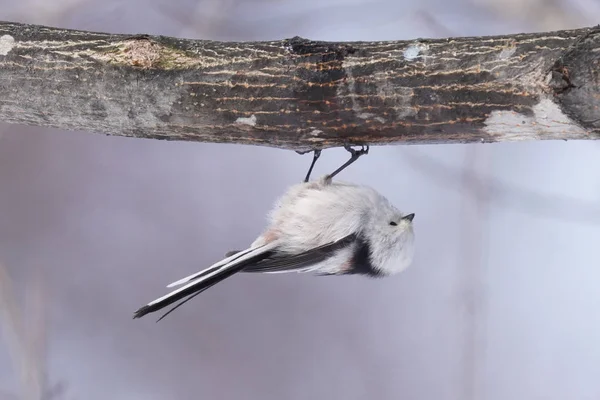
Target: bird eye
393,223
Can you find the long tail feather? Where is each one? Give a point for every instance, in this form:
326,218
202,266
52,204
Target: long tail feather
207,279
228,258
208,283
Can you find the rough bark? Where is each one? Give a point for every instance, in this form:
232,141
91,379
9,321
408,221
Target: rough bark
302,94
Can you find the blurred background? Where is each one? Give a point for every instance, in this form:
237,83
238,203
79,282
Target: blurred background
502,301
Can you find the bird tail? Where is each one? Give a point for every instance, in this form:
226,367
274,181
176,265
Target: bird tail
200,281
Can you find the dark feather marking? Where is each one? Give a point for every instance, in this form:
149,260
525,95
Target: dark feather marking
286,262
361,260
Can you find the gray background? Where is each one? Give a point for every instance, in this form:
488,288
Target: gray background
502,301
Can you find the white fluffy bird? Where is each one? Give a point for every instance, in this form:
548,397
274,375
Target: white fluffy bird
322,227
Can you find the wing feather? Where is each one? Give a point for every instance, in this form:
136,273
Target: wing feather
282,262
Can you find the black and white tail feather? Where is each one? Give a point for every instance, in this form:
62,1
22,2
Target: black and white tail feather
199,282
263,259
320,227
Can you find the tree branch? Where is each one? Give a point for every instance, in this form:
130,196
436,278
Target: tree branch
301,94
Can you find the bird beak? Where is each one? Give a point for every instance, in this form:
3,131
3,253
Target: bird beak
409,217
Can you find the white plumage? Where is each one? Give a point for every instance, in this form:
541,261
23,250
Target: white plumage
322,227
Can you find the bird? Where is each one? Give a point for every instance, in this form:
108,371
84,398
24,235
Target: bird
323,227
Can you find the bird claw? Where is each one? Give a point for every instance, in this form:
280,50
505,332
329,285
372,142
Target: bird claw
357,153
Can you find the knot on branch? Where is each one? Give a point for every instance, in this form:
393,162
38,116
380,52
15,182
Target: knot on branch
575,79
140,52
145,52
301,46
560,80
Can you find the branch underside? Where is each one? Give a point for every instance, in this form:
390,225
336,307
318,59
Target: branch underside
301,94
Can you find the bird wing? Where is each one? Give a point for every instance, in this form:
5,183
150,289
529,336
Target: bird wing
284,262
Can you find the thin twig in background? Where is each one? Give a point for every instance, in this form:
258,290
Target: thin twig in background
429,20
539,14
474,233
205,19
509,196
12,324
24,333
36,335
